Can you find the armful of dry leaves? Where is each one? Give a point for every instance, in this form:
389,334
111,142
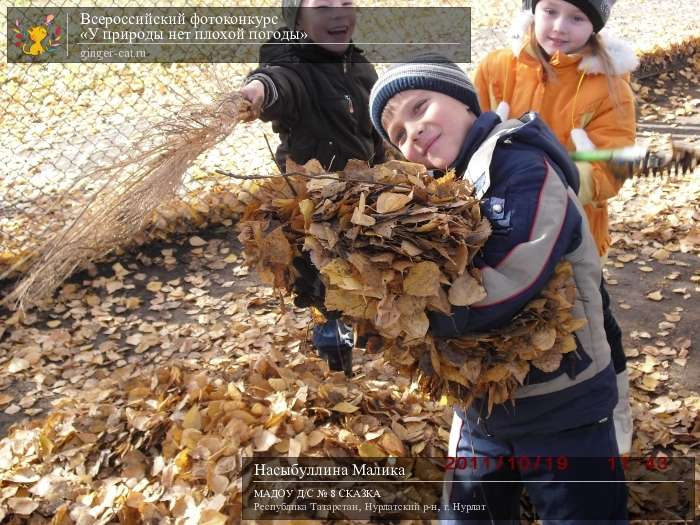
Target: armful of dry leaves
392,243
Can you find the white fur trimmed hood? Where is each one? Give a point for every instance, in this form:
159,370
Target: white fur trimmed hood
624,58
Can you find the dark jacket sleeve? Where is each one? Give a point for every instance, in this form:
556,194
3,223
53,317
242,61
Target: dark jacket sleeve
285,93
535,224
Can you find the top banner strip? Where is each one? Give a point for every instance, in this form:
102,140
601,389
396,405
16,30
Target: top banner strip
234,35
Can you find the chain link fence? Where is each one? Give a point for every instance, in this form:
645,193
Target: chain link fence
60,121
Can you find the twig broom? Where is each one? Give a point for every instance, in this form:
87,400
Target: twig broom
132,191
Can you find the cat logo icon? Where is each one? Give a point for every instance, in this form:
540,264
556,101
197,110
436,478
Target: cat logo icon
34,41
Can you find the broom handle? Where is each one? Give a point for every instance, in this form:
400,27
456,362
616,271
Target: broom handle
603,155
681,159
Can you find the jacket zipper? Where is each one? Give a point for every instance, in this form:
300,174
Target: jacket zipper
348,100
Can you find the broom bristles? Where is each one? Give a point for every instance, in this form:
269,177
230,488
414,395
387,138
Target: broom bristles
134,188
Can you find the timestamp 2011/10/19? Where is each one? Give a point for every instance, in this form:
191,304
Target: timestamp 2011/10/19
550,463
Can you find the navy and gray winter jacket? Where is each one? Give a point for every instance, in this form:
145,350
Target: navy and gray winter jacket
537,222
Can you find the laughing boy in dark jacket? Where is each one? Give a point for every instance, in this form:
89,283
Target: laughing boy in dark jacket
315,92
316,95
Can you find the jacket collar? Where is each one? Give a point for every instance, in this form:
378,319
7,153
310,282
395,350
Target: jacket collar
530,130
478,133
624,59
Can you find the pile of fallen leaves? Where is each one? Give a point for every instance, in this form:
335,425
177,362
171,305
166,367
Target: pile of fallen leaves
667,57
393,243
172,444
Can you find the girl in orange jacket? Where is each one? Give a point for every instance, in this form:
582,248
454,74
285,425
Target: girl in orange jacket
577,78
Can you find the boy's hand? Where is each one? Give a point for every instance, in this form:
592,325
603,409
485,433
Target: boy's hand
253,92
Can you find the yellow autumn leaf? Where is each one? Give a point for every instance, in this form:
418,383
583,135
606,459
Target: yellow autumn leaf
192,419
23,506
345,408
113,286
352,305
568,344
519,370
132,303
415,326
544,338
197,242
423,279
655,296
182,460
264,441
154,286
340,273
307,209
496,373
389,202
440,302
461,258
92,299
548,362
661,254
465,290
278,384
410,305
392,444
316,437
212,517
361,219
370,275
276,249
574,324
314,167
370,450
649,383
190,437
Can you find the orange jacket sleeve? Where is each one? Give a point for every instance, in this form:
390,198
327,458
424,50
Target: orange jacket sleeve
613,126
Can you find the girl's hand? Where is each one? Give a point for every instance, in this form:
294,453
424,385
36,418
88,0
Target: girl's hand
253,92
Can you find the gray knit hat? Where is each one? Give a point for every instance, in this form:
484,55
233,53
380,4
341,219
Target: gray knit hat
597,11
427,71
290,12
